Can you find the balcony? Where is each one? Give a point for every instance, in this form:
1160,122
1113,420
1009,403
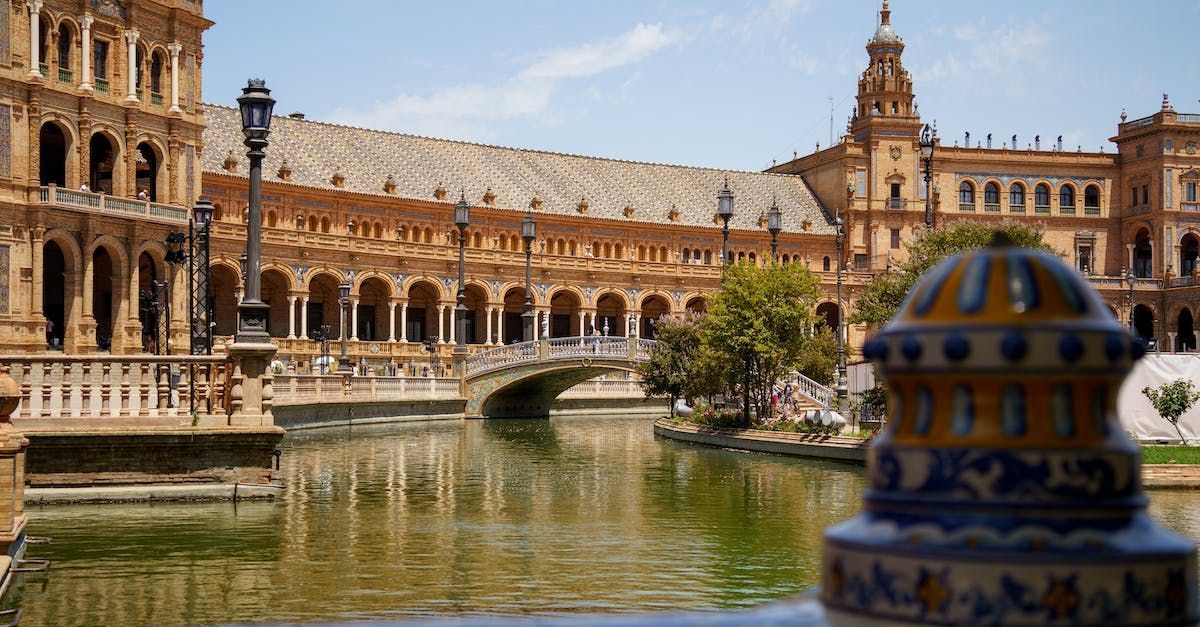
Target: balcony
1017,208
65,76
966,206
156,99
1041,209
102,85
44,68
991,207
1089,210
111,205
896,203
1190,207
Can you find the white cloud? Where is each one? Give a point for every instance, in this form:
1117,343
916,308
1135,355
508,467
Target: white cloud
774,16
991,51
465,110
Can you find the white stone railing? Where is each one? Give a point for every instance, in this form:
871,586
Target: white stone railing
302,389
63,388
112,205
604,388
813,391
585,347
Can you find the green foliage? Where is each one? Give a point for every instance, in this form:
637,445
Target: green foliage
757,327
881,299
872,401
1172,400
819,356
1171,455
729,419
669,371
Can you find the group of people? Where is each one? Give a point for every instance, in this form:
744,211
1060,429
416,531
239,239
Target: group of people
143,194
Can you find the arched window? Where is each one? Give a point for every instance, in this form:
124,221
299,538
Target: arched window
1066,199
618,251
991,196
325,224
156,75
708,257
1091,199
825,264
966,196
64,52
641,253
1041,197
686,255
1016,197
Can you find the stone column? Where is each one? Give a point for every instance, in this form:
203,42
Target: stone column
404,322
441,315
174,48
131,37
500,323
35,296
354,319
452,325
490,313
304,318
291,317
251,391
391,321
35,26
1130,265
1171,341
1152,258
85,66
582,322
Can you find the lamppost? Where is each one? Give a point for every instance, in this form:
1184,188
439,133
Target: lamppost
1129,278
528,232
322,336
926,143
343,300
842,391
256,104
725,211
199,277
774,225
462,219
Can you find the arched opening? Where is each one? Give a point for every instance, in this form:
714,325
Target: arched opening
152,306
1091,197
475,299
64,51
991,196
610,315
1041,197
510,324
324,306
147,166
428,235
653,308
102,156
1143,322
708,257
44,23
1016,197
1066,199
104,286
966,196
1185,331
825,264
274,287
828,315
312,224
325,224
1189,250
55,305
1143,255
697,305
223,297
564,314
373,318
156,76
423,322
52,144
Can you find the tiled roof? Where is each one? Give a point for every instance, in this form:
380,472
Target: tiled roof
620,190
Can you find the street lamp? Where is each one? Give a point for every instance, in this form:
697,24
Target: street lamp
774,225
1129,278
462,219
256,104
842,391
926,143
344,301
528,232
725,210
322,336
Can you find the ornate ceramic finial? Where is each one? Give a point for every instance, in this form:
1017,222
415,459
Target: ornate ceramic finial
1124,115
1166,105
230,163
1003,490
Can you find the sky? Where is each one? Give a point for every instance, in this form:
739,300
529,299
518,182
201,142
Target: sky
734,84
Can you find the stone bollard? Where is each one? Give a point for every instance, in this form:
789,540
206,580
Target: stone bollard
251,392
12,471
1003,490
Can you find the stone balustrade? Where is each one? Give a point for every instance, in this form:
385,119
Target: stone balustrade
605,388
112,205
61,391
302,389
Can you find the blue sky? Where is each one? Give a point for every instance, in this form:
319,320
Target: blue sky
723,84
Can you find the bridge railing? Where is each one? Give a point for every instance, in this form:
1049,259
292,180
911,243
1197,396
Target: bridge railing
806,387
590,346
587,346
607,388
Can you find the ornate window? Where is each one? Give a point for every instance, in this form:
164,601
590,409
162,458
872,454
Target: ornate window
1066,199
1016,197
966,196
1091,199
991,197
1041,198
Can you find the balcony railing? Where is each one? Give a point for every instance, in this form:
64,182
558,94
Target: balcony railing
966,206
1089,210
1016,208
102,85
156,99
44,68
65,75
896,203
1190,207
992,207
111,205
1041,208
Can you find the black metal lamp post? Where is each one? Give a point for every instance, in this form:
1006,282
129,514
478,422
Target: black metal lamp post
199,277
462,219
926,143
343,300
841,388
1130,277
725,211
322,335
774,225
256,104
528,233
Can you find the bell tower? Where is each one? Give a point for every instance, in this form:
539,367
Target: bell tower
885,88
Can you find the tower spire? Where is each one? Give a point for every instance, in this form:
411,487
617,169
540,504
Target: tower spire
885,14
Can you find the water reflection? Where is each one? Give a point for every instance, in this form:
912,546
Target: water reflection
482,517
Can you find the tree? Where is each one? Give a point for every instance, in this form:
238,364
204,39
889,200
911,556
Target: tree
670,369
819,357
1173,400
880,300
758,327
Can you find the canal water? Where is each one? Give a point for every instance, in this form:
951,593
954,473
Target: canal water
462,518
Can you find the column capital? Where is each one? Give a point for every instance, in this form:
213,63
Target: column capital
131,36
174,48
35,6
86,21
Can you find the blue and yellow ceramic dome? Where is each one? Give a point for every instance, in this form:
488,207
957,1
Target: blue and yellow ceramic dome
1003,490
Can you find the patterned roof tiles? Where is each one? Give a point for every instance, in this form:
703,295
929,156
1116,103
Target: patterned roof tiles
315,151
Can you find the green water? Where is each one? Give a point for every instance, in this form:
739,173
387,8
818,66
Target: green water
474,518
